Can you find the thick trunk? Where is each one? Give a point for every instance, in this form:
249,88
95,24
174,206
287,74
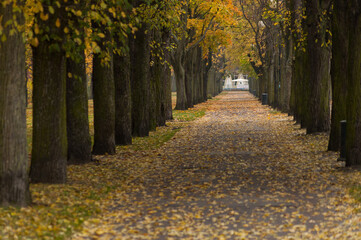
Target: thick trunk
286,73
50,147
318,78
338,72
123,101
157,114
140,83
180,82
49,152
14,181
104,104
79,142
353,142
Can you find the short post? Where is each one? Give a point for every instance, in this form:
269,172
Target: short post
342,157
264,98
254,93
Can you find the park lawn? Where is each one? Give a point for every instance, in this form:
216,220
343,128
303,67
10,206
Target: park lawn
60,210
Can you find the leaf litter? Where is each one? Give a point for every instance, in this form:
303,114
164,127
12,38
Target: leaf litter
243,171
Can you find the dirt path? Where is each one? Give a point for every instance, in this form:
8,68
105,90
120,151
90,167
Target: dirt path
242,171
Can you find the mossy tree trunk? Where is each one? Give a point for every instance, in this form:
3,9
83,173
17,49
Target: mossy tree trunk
340,26
14,165
123,101
104,102
140,82
353,141
79,142
50,147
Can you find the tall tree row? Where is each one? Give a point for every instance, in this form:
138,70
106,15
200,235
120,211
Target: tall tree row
325,66
132,46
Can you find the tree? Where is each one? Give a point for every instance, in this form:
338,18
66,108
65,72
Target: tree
123,107
353,141
140,82
14,182
49,153
318,55
339,71
79,142
104,98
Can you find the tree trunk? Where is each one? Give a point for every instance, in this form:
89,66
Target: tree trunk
318,77
14,181
179,73
286,72
353,142
140,83
338,71
167,81
157,116
50,147
189,81
79,142
104,104
207,67
123,101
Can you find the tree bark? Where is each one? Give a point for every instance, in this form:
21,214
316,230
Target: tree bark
167,80
318,59
179,72
104,103
189,78
50,147
79,142
353,141
157,114
140,83
14,165
339,71
123,101
207,67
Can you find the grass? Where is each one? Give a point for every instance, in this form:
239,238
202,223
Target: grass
188,115
355,192
60,210
155,140
275,112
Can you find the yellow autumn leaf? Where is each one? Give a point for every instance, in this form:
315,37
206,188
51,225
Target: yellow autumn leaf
57,23
34,42
44,16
